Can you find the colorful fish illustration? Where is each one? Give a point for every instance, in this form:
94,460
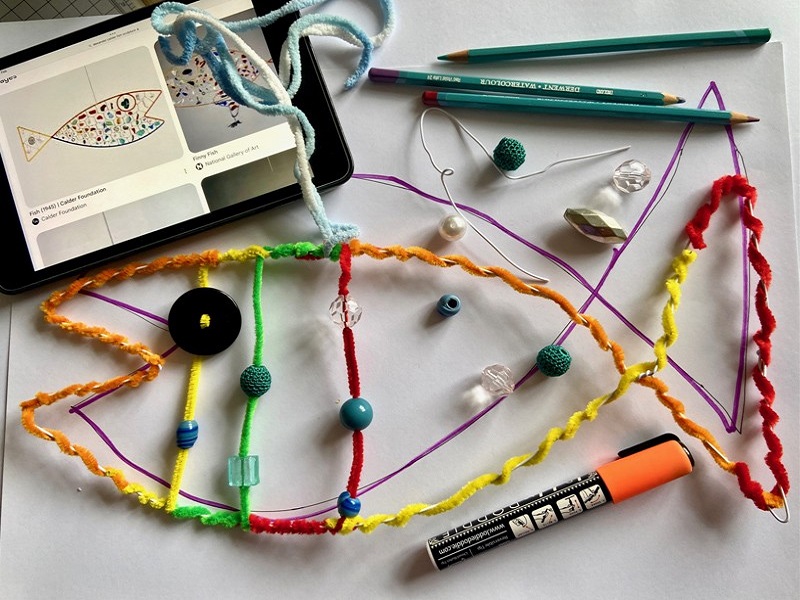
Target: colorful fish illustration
194,85
115,121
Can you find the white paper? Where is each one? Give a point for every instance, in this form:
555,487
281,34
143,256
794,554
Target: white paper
65,531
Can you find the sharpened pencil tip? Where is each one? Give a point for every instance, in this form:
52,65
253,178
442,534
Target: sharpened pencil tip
672,99
737,117
459,56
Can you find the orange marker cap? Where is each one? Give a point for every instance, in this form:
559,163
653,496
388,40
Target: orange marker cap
645,467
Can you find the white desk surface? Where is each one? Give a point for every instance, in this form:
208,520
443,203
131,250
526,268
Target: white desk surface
65,534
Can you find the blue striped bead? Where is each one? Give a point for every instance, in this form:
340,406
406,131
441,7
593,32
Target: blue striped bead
187,434
348,506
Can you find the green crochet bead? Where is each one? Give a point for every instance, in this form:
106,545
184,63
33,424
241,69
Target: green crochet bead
553,360
255,381
509,154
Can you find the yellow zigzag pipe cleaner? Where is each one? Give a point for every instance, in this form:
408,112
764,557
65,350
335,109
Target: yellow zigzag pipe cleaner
680,267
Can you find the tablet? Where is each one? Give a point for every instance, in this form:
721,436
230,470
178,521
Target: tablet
107,148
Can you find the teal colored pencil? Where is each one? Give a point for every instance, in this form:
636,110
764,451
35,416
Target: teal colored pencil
583,108
625,44
521,87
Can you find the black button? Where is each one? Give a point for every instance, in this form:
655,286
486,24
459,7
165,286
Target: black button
204,321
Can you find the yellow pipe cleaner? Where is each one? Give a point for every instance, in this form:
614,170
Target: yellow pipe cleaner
188,413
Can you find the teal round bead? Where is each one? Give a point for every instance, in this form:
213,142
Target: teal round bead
509,154
348,506
187,433
553,360
355,414
448,305
255,381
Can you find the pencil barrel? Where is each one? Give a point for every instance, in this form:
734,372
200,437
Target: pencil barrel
625,44
519,87
577,108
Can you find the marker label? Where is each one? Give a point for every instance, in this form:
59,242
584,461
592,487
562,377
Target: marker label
518,520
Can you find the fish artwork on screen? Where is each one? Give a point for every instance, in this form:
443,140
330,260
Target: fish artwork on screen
115,121
194,85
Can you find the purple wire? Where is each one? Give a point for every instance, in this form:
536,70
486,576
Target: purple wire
125,305
594,294
101,395
481,215
140,469
745,274
729,421
594,290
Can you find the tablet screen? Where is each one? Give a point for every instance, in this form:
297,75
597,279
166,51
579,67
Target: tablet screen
108,147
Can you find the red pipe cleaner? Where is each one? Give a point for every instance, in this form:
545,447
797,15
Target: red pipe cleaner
259,524
739,186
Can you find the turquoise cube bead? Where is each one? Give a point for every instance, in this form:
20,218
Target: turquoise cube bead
243,471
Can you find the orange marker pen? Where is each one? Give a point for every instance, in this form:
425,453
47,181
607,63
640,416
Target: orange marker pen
638,469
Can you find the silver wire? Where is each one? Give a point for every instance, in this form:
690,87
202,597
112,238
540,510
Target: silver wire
446,172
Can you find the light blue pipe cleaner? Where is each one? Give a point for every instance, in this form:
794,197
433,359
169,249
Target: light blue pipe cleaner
276,98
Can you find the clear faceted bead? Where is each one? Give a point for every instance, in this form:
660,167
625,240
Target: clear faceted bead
345,311
631,176
497,380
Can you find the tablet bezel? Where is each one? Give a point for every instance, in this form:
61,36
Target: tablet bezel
331,162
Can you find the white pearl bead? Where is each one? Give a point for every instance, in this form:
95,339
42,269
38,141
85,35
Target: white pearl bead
453,227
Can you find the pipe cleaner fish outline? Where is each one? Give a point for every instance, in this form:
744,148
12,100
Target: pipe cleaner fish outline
114,121
642,373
